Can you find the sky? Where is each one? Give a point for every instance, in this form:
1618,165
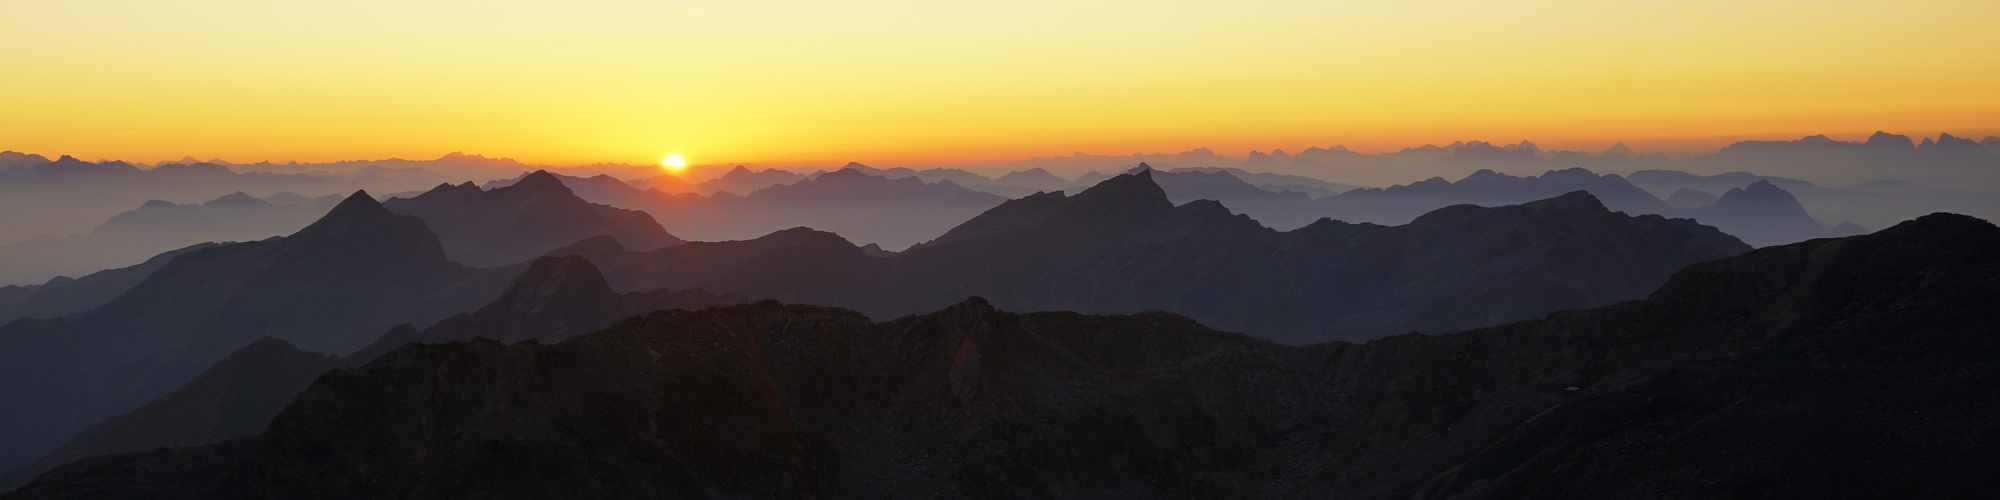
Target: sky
894,83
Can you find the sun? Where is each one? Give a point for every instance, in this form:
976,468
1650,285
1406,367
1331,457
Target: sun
674,162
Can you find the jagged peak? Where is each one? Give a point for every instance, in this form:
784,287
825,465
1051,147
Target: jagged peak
1138,187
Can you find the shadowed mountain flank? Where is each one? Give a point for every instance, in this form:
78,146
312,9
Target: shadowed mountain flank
556,298
523,220
330,287
1809,370
65,296
1123,246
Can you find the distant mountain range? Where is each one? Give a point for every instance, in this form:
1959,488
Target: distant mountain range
1857,367
893,213
1872,204
1123,246
523,220
154,227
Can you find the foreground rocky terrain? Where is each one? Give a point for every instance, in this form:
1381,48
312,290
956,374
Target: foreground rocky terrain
1857,367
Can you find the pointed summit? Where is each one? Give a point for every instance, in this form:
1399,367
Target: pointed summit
1126,191
356,208
539,181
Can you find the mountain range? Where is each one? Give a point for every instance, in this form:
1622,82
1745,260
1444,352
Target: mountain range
523,220
1832,368
1123,246
330,287
154,227
892,213
63,295
554,299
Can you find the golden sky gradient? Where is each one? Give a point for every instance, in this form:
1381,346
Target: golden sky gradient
914,83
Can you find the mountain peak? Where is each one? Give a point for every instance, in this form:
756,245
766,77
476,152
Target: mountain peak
540,180
1137,187
569,277
356,205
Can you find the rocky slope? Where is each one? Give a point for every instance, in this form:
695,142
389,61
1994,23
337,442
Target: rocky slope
1857,367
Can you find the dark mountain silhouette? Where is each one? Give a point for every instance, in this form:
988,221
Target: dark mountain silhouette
1691,198
154,227
1804,371
556,298
331,287
63,296
1275,209
1762,215
1122,246
1398,204
523,220
1668,181
892,213
235,397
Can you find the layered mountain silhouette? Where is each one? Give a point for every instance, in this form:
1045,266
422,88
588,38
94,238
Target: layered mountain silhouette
155,227
1763,215
893,213
521,221
1691,198
331,287
1857,367
1398,204
1877,203
1123,246
556,298
62,296
1944,161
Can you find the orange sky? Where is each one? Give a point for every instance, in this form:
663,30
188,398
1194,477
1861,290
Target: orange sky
914,83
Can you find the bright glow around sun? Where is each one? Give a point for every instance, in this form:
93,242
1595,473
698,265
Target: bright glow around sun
674,162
